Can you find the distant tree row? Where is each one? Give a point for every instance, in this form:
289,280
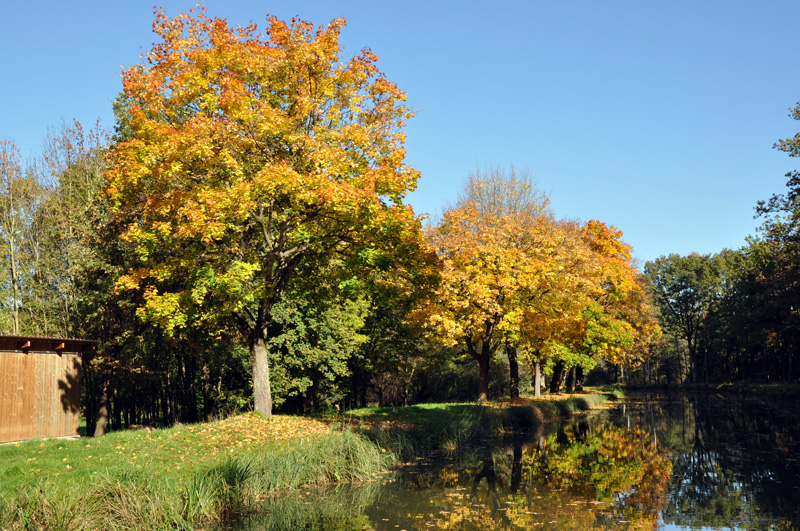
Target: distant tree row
735,315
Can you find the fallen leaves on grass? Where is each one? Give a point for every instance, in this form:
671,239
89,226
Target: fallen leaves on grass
207,441
252,429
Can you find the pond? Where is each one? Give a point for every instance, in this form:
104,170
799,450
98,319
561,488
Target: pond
652,462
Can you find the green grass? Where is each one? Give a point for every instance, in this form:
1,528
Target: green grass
175,478
173,454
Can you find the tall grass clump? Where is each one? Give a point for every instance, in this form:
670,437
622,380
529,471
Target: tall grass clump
333,457
44,506
138,501
226,489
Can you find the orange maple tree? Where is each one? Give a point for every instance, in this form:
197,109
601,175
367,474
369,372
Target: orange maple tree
493,265
253,159
604,312
513,276
620,317
479,272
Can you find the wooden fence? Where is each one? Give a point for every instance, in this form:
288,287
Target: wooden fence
40,391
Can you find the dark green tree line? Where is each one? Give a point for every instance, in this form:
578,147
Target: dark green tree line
735,315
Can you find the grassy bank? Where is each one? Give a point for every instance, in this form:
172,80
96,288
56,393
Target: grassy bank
177,478
198,475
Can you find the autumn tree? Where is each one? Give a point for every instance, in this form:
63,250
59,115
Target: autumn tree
620,325
514,277
552,303
497,193
489,245
471,300
252,160
581,301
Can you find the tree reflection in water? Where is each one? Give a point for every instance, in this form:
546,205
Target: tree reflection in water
735,460
700,462
600,477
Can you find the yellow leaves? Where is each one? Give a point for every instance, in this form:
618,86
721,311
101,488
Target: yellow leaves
132,280
233,280
532,279
483,274
248,150
164,309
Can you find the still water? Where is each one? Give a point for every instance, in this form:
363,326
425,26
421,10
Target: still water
652,462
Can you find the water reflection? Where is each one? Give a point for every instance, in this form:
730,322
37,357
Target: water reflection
584,475
735,460
340,508
658,461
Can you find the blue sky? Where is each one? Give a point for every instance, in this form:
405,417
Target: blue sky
656,117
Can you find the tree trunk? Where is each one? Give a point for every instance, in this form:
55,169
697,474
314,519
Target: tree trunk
570,380
513,366
483,358
102,413
262,394
555,382
579,378
483,376
206,391
165,402
189,391
90,408
692,362
116,408
537,377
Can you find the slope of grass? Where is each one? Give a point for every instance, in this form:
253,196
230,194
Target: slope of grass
176,478
174,454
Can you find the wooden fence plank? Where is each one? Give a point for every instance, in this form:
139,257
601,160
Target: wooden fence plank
6,397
